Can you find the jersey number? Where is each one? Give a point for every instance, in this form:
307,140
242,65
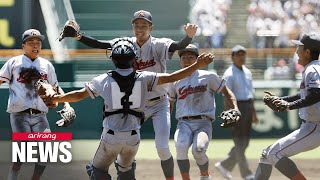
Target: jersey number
134,99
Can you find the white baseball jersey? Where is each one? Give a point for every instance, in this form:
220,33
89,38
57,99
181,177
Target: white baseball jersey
195,94
239,82
152,56
21,73
106,87
310,79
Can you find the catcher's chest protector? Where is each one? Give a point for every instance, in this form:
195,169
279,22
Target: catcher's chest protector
125,84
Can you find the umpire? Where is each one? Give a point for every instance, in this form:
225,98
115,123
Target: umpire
239,81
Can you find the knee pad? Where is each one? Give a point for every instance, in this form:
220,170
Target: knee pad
97,174
202,141
164,153
127,175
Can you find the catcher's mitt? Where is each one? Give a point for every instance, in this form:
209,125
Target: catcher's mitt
230,118
71,29
274,102
43,88
68,116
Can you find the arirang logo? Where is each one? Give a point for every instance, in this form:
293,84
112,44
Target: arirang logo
41,147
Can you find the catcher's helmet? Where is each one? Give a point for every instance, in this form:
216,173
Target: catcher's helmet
123,53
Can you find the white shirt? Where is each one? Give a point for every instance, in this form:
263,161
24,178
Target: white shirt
153,56
310,79
21,73
194,95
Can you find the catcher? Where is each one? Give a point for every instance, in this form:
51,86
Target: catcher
27,110
195,112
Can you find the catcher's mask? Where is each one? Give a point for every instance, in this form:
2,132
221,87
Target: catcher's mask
123,53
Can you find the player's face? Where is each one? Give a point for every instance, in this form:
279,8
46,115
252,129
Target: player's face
32,47
302,54
239,58
187,58
142,29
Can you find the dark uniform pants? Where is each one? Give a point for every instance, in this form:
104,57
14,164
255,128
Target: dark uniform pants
241,136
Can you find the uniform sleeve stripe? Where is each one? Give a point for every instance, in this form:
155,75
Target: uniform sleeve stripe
222,82
152,84
5,78
90,91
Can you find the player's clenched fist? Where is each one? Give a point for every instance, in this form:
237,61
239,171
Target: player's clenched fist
190,29
204,59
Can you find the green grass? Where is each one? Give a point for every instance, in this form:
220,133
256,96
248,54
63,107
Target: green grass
218,149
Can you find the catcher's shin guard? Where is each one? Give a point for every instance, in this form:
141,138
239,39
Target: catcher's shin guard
96,174
127,175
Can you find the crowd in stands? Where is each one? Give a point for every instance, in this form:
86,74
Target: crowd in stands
211,17
279,70
272,23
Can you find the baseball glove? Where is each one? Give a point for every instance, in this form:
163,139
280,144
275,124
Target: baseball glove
43,88
230,118
71,29
281,105
269,99
68,116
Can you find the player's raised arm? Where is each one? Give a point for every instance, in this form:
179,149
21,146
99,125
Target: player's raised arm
72,29
202,61
190,30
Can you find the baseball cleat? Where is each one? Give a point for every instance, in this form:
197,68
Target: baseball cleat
224,172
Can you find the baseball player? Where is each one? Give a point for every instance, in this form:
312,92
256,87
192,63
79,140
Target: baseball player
26,108
124,92
239,81
306,100
152,56
195,112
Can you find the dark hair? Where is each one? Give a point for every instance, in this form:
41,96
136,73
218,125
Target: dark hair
314,53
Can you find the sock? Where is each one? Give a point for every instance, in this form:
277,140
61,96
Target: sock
16,166
263,171
204,169
287,167
185,176
167,168
298,176
184,167
38,171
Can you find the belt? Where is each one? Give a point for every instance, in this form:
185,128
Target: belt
32,111
157,98
133,132
193,117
